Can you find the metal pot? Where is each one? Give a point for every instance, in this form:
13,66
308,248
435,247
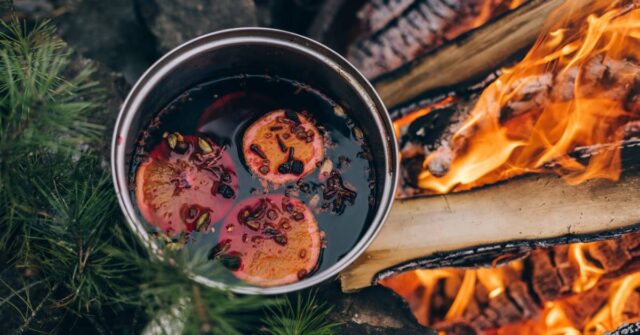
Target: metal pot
257,51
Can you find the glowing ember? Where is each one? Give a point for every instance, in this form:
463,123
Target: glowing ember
522,297
579,86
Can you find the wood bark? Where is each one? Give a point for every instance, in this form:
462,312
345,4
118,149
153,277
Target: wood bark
535,210
470,56
394,32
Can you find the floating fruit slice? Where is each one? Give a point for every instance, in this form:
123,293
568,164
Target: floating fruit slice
269,241
186,184
282,146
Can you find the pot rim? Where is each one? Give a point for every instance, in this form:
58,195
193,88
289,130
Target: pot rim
239,36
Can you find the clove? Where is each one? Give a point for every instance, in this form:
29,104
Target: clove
256,150
281,144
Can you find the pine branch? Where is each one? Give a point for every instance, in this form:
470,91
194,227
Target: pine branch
27,323
59,220
304,316
39,106
62,239
205,310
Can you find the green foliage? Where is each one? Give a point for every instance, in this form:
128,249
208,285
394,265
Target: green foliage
68,264
64,253
203,310
75,234
42,104
304,316
68,243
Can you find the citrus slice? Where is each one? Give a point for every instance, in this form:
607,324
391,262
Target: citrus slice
269,241
282,146
187,183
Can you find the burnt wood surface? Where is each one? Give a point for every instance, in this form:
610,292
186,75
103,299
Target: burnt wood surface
469,57
626,329
379,36
546,275
395,32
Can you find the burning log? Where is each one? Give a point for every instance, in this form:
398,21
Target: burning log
445,230
394,32
567,107
432,135
571,107
487,300
472,55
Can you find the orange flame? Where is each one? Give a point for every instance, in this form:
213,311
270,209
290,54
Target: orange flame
423,289
568,92
589,273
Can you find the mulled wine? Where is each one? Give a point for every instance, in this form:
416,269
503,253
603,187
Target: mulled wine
263,179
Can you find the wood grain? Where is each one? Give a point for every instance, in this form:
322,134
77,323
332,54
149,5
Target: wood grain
529,208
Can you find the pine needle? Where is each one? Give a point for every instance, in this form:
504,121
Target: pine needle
42,105
205,310
302,316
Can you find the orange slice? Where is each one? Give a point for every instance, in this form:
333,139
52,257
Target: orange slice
269,241
187,183
282,146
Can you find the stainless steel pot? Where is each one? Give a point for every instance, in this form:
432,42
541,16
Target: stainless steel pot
257,51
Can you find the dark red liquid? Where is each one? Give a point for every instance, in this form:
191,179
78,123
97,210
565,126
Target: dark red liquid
221,110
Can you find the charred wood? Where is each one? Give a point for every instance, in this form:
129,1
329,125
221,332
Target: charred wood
546,283
396,31
470,56
432,135
626,329
527,291
376,14
579,308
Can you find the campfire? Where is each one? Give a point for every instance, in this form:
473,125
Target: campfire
570,107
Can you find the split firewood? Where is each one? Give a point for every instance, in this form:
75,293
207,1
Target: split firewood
472,55
448,230
396,31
